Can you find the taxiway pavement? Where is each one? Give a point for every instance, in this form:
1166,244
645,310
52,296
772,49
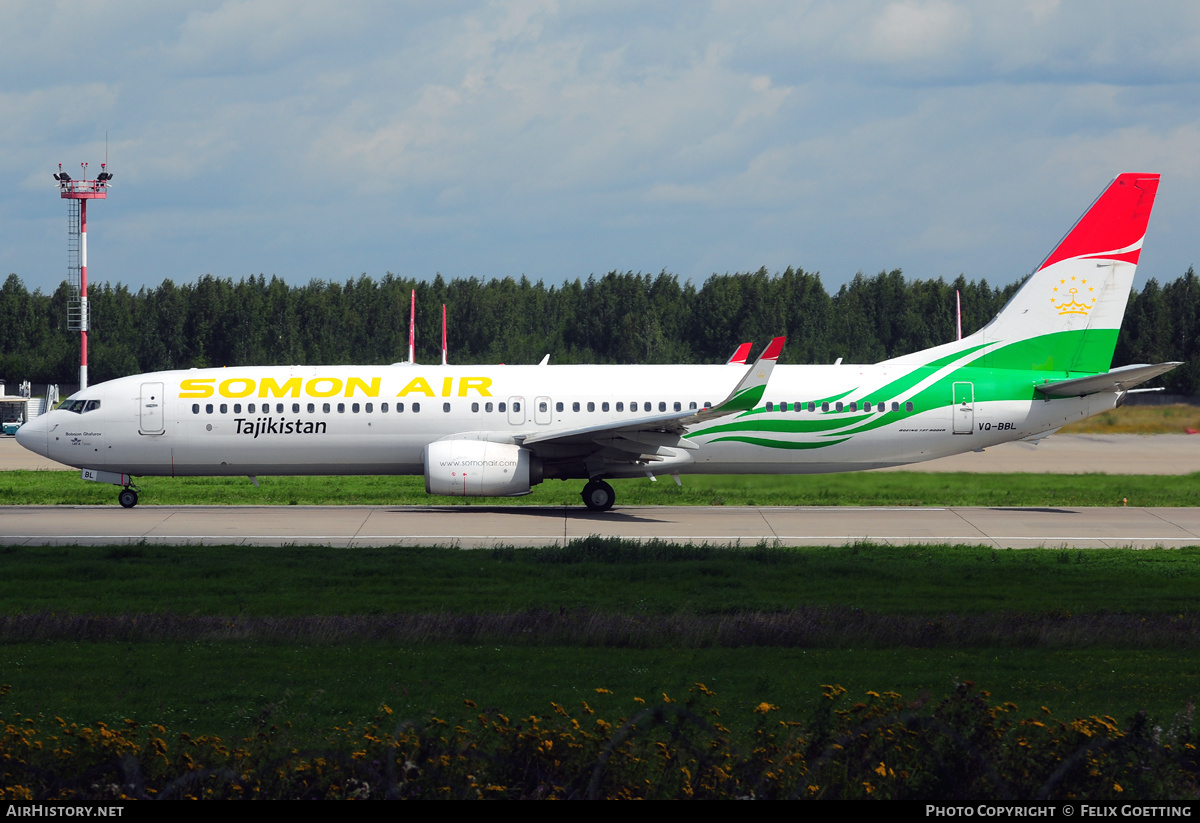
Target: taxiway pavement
471,527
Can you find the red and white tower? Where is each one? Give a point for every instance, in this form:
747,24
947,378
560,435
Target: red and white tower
77,193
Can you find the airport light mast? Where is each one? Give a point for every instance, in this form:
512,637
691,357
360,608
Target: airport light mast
78,193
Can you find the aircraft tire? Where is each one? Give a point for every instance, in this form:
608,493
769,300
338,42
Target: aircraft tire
127,498
599,496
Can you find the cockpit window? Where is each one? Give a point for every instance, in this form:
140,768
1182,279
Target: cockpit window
80,406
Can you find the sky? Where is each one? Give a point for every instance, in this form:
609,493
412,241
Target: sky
557,140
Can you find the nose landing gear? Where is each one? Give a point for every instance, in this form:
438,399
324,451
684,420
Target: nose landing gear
128,496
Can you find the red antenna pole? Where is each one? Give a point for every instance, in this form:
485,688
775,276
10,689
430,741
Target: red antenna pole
443,334
958,313
412,330
83,303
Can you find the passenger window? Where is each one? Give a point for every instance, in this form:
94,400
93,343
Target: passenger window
558,406
224,409
195,408
812,407
604,406
416,407
574,406
824,407
475,407
500,407
208,408
487,407
399,408
250,408
446,407
279,408
383,407
516,406
867,405
341,408
692,405
325,408
770,406
354,408
678,406
620,406
646,406
542,405
370,407
295,408
839,406
312,407
908,407
237,408
895,406
854,405
591,406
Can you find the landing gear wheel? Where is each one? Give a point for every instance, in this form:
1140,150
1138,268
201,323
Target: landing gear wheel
127,497
599,496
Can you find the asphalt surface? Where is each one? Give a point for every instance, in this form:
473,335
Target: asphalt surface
471,527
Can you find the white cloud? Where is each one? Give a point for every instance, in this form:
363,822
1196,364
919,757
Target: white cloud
911,31
557,139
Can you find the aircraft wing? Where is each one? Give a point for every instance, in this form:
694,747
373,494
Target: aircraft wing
1122,379
644,435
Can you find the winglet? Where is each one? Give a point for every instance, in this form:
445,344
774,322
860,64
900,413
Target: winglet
739,357
753,385
774,349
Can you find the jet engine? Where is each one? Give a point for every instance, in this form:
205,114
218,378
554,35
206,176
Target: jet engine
477,468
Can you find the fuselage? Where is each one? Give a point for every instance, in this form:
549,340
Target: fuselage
379,419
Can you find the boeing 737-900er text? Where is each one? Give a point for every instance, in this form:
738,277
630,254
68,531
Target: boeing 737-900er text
492,431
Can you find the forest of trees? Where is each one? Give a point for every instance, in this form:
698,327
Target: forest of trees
616,318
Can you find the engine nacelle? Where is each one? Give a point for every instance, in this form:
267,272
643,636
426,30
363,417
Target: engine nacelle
477,468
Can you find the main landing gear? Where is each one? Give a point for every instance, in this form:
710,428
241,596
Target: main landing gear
128,496
598,496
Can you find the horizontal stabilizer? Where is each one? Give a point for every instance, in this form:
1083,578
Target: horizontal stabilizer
1121,379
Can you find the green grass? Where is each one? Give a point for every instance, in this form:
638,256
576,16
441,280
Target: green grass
208,639
596,575
849,489
222,688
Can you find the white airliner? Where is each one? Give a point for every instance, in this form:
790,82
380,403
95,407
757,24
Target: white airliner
492,431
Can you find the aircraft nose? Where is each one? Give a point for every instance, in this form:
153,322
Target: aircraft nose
32,435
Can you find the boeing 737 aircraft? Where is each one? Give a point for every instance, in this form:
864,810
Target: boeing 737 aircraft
491,431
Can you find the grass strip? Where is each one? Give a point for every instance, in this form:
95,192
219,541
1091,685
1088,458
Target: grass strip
231,688
215,640
593,575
